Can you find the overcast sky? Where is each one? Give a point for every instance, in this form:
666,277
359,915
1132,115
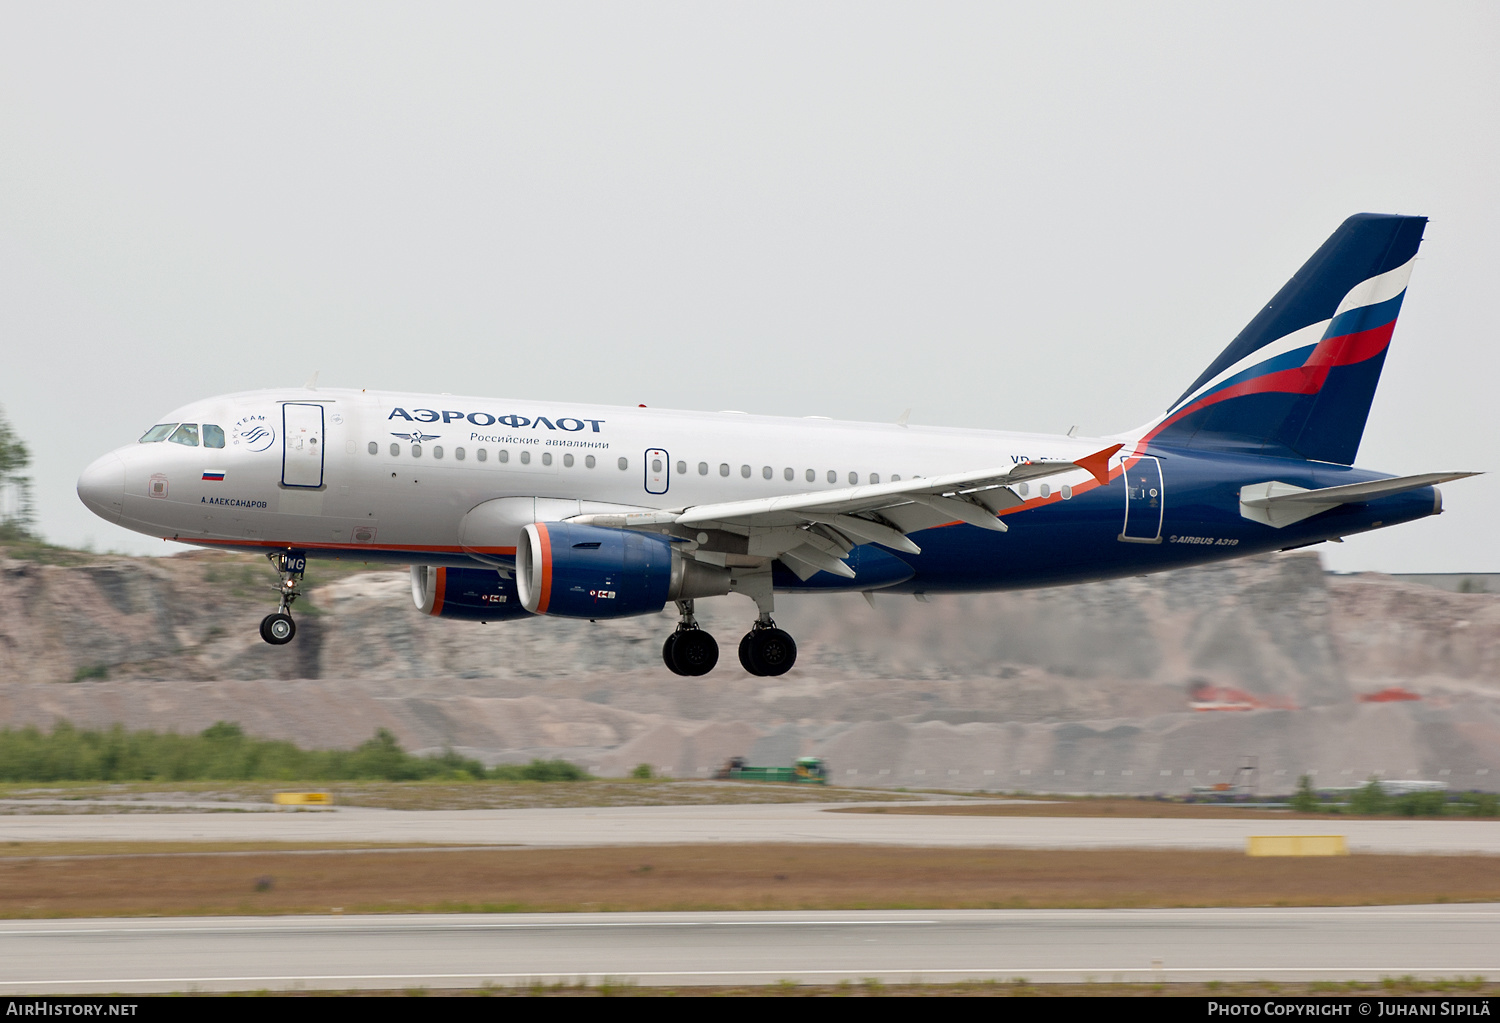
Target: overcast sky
1010,216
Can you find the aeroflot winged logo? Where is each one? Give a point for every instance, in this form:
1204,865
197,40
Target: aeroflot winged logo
568,424
255,433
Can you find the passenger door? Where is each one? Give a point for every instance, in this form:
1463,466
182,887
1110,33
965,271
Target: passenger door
1145,500
302,445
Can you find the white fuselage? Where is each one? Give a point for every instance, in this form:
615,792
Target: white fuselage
396,472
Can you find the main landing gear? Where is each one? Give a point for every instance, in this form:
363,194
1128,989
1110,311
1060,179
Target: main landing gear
689,650
278,629
764,650
767,650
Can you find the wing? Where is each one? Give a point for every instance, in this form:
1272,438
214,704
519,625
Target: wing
815,532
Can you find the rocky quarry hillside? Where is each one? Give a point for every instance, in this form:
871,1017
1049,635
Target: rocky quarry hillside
1152,684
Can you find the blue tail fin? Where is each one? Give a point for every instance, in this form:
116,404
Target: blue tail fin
1298,381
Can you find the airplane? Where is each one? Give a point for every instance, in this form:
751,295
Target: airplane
512,509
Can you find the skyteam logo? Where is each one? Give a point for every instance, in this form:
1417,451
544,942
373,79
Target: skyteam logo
254,433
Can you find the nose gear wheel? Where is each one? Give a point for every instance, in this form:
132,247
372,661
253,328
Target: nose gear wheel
277,629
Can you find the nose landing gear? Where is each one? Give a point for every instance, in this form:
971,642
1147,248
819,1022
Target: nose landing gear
279,628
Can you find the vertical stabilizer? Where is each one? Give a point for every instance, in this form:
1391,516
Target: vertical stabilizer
1299,379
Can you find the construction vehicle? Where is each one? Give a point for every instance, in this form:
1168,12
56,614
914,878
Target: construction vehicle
806,771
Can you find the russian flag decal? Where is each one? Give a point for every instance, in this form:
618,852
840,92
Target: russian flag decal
215,475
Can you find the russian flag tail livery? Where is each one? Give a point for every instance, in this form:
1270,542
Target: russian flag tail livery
1298,381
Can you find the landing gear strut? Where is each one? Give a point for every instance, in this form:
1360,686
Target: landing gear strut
689,650
279,628
767,650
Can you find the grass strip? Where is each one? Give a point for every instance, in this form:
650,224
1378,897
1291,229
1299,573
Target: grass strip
769,876
1120,808
83,797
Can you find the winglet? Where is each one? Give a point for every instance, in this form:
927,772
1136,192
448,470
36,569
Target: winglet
1097,464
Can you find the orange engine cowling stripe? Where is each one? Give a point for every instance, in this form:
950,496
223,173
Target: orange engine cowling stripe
546,568
439,587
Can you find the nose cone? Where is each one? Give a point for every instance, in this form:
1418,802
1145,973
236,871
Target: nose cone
102,487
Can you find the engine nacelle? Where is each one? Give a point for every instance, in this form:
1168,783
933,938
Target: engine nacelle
477,594
595,572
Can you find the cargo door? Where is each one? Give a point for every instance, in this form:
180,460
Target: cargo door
302,445
1144,502
658,471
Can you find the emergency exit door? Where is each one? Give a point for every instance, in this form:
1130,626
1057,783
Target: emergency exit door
658,471
301,445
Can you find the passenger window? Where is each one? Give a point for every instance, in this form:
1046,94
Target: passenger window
525,457
458,453
481,454
788,473
723,468
745,471
854,477
416,451
765,472
437,451
157,433
588,461
213,436
624,464
896,478
811,476
682,468
504,455
546,458
375,448
186,434
874,477
395,450
702,468
656,465
833,477
568,461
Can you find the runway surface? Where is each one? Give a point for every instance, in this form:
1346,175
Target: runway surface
784,822
680,949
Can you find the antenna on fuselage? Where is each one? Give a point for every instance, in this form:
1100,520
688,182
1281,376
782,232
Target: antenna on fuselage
903,419
312,382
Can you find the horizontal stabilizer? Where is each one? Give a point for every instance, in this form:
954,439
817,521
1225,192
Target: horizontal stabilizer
1280,504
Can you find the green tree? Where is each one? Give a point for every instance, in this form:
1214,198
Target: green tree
15,486
1370,799
1306,800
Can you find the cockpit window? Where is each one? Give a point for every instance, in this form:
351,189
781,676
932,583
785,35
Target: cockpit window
186,434
213,436
157,433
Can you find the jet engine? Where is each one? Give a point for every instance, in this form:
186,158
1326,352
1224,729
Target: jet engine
477,594
596,572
